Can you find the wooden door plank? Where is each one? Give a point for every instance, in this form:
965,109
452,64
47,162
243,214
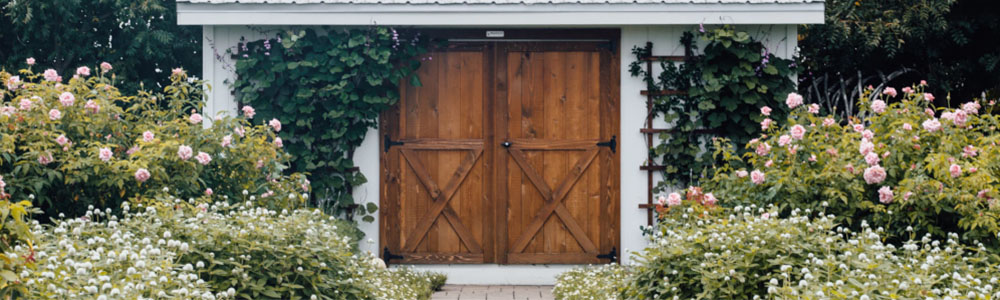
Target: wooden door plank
440,201
501,125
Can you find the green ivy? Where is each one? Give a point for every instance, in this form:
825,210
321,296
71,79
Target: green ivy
726,86
328,91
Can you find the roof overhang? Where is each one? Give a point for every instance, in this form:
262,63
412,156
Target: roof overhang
506,14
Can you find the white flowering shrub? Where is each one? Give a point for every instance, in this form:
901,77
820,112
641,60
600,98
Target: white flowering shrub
604,282
751,254
204,249
100,256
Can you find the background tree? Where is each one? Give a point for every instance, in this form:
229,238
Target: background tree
950,43
140,38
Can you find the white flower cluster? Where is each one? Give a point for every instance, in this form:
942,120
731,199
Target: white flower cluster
83,258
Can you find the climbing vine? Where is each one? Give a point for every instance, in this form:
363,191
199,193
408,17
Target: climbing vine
726,86
327,90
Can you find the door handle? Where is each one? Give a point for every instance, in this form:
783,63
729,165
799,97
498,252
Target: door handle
506,144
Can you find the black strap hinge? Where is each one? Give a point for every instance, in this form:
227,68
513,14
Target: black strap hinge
387,256
612,255
389,143
612,143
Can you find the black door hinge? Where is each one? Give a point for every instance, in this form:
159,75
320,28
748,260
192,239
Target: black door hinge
612,143
389,143
612,255
387,256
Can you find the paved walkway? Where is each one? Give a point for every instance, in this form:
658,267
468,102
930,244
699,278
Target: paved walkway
494,292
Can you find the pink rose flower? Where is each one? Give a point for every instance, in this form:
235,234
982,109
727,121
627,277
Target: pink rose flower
51,75
105,154
278,143
765,124
765,216
105,66
674,199
13,82
741,173
148,136
67,99
829,122
889,91
227,140
26,104
929,97
83,71
950,116
858,127
45,158
784,140
710,199
969,151
814,108
960,118
195,118
955,170
932,125
55,114
885,195
203,158
274,123
249,111
879,106
981,194
798,132
973,169
923,83
872,159
132,150
971,107
908,90
30,61
907,195
868,134
239,131
177,72
907,126
874,174
929,112
769,163
208,192
662,200
92,106
765,111
865,147
757,177
793,149
184,152
793,100
2,185
142,175
62,140
833,152
812,157
763,149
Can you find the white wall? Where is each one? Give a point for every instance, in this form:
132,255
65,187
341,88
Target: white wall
781,39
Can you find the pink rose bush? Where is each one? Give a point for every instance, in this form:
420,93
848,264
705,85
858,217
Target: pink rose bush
116,147
947,173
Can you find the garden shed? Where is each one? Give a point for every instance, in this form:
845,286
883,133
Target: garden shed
524,151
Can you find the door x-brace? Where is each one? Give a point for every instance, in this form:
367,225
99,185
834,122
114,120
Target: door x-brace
441,197
553,200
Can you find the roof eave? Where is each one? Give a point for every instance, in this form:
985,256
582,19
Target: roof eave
506,15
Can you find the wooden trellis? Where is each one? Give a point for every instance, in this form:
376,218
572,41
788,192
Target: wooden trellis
651,92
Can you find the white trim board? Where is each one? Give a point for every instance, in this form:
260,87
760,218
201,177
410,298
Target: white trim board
578,15
492,274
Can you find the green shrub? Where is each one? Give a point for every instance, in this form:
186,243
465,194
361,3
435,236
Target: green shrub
591,283
901,165
200,248
82,142
15,234
750,253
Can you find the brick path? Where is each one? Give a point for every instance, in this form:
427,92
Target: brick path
494,292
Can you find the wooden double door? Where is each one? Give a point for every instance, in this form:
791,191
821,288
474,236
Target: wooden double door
505,154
